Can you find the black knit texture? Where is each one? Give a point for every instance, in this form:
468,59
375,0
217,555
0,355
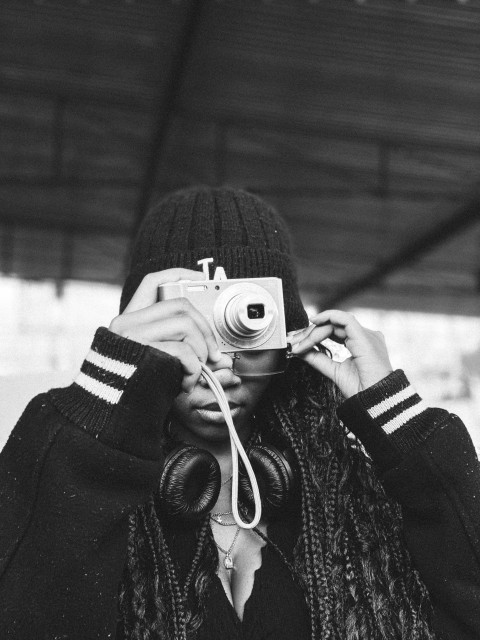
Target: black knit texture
240,231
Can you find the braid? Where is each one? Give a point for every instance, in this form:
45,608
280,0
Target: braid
175,615
198,551
151,603
330,512
137,573
128,579
200,577
157,613
304,551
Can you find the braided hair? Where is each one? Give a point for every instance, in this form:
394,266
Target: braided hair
350,556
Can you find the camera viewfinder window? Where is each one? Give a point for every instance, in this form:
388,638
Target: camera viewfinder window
255,311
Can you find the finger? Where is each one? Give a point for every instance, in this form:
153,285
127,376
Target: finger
317,335
170,329
340,320
297,336
322,363
225,362
214,353
181,329
146,294
188,358
291,334
180,307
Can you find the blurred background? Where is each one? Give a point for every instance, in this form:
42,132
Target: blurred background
359,120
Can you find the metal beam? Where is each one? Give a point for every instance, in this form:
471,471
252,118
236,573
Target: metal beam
166,108
99,96
340,193
290,152
141,106
383,171
459,221
71,226
66,263
7,248
267,191
58,132
238,121
220,154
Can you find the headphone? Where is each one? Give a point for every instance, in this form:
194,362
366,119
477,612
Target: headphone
191,481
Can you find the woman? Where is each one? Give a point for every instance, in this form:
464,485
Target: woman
90,548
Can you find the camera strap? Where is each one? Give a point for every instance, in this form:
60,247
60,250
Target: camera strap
236,448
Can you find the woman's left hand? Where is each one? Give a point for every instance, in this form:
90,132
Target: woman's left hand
368,363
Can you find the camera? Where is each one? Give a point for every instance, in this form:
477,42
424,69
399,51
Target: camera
244,314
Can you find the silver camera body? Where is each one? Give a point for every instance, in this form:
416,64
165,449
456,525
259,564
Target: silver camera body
244,314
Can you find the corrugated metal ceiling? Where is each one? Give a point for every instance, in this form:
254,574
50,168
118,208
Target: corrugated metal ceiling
360,121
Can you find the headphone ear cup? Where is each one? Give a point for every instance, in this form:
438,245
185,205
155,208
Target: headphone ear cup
190,483
275,477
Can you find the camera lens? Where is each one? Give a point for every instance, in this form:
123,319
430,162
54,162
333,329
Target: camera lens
255,311
245,315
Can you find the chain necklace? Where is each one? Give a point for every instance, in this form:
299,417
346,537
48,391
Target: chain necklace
218,518
228,561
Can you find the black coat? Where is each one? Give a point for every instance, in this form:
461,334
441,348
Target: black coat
82,458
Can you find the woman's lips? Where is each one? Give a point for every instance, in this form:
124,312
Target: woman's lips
212,413
213,406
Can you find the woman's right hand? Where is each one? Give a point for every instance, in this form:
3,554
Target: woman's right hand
174,326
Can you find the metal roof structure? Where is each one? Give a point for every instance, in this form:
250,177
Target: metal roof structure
358,120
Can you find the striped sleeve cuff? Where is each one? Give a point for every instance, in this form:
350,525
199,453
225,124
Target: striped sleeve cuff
106,377
390,418
123,388
396,410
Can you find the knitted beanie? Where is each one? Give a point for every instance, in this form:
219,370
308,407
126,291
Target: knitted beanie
238,230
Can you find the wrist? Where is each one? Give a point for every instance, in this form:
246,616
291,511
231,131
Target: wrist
371,379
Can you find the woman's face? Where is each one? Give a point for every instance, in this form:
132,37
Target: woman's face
196,415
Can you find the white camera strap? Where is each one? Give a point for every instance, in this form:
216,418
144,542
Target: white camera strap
236,448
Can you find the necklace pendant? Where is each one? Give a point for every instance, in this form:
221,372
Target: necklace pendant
228,562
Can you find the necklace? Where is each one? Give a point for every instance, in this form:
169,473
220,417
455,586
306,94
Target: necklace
227,561
218,518
227,480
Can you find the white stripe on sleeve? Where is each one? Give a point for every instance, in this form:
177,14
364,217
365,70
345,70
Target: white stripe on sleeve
389,403
99,389
109,364
404,417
